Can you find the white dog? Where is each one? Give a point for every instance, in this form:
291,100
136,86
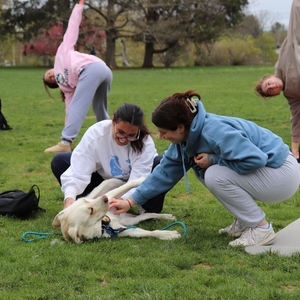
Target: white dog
89,218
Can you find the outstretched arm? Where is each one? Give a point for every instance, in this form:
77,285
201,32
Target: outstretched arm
72,32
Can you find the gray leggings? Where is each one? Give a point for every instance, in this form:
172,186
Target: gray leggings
237,193
92,88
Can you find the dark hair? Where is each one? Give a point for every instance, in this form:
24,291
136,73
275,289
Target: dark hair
52,86
174,110
258,88
134,115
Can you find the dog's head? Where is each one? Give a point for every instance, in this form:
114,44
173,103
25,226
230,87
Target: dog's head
82,220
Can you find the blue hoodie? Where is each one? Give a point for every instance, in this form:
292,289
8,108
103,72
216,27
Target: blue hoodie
241,145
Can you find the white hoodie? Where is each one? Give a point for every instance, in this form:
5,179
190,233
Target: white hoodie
99,152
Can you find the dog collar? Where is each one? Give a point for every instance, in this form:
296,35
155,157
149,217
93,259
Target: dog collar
108,229
105,220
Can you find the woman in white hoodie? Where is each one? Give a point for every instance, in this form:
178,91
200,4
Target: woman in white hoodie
120,148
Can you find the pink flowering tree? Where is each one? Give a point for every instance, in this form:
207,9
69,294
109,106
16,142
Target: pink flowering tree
45,44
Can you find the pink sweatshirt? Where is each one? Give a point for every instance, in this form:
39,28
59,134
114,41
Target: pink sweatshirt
68,62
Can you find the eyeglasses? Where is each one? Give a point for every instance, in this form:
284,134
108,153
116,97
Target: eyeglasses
129,138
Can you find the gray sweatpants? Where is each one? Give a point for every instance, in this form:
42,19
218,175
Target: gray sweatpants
92,88
237,193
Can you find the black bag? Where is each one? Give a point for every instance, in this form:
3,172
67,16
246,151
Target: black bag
20,204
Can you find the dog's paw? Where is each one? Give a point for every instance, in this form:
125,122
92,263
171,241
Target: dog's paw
167,217
168,234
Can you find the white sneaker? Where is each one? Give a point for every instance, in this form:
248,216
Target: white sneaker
255,237
235,229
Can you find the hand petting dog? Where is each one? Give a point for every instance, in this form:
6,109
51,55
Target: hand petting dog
120,206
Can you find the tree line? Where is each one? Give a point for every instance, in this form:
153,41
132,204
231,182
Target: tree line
163,27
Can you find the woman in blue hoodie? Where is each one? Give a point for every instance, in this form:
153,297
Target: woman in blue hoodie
237,160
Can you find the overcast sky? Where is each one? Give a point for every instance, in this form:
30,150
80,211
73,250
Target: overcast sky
279,10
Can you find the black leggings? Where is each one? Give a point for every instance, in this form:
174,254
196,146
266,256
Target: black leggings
61,162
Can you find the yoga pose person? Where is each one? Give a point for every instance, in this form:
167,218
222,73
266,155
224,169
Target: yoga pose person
83,79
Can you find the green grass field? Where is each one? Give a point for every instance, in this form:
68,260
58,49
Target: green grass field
198,266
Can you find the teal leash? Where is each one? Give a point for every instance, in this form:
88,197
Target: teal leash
40,235
177,223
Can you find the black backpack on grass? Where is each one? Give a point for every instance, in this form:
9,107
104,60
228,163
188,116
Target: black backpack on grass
20,204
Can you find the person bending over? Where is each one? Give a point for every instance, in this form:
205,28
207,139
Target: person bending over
83,79
287,76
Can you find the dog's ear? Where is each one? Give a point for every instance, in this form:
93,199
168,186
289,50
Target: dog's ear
59,222
73,234
68,233
58,218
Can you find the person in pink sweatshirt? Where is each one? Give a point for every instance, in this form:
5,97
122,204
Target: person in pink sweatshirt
83,79
287,76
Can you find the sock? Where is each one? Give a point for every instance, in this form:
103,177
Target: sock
65,142
266,226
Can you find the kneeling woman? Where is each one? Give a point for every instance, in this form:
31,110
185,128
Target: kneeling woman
120,148
237,160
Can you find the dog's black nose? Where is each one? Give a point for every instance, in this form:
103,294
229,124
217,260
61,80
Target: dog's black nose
105,199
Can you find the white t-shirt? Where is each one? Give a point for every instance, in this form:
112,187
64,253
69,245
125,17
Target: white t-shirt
99,152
